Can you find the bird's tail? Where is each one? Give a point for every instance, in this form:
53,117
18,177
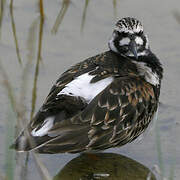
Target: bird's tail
24,142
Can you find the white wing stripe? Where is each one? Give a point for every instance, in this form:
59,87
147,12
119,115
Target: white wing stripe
47,125
82,87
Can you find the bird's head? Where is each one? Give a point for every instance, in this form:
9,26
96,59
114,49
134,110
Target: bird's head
128,38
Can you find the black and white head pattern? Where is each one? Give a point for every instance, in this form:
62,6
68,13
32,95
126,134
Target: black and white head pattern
128,38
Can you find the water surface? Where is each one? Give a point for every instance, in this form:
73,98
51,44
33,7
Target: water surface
69,46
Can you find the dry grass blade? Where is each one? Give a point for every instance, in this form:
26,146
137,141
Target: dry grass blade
84,15
40,35
9,89
14,32
62,12
34,91
42,169
31,40
41,8
2,3
115,7
30,56
23,90
176,14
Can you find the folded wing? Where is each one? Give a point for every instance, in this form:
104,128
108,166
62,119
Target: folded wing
116,116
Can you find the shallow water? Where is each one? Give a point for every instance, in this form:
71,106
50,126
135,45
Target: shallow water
69,46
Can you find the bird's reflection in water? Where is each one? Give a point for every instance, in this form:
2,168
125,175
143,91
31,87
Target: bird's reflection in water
104,166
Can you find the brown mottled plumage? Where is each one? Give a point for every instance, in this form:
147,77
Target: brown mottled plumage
118,114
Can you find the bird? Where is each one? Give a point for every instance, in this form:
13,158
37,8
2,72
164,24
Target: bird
105,101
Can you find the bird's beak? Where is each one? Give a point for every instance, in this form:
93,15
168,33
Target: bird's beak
133,48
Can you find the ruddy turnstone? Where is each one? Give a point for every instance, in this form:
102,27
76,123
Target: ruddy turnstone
105,101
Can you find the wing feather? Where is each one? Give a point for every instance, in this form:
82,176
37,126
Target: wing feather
121,112
117,115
